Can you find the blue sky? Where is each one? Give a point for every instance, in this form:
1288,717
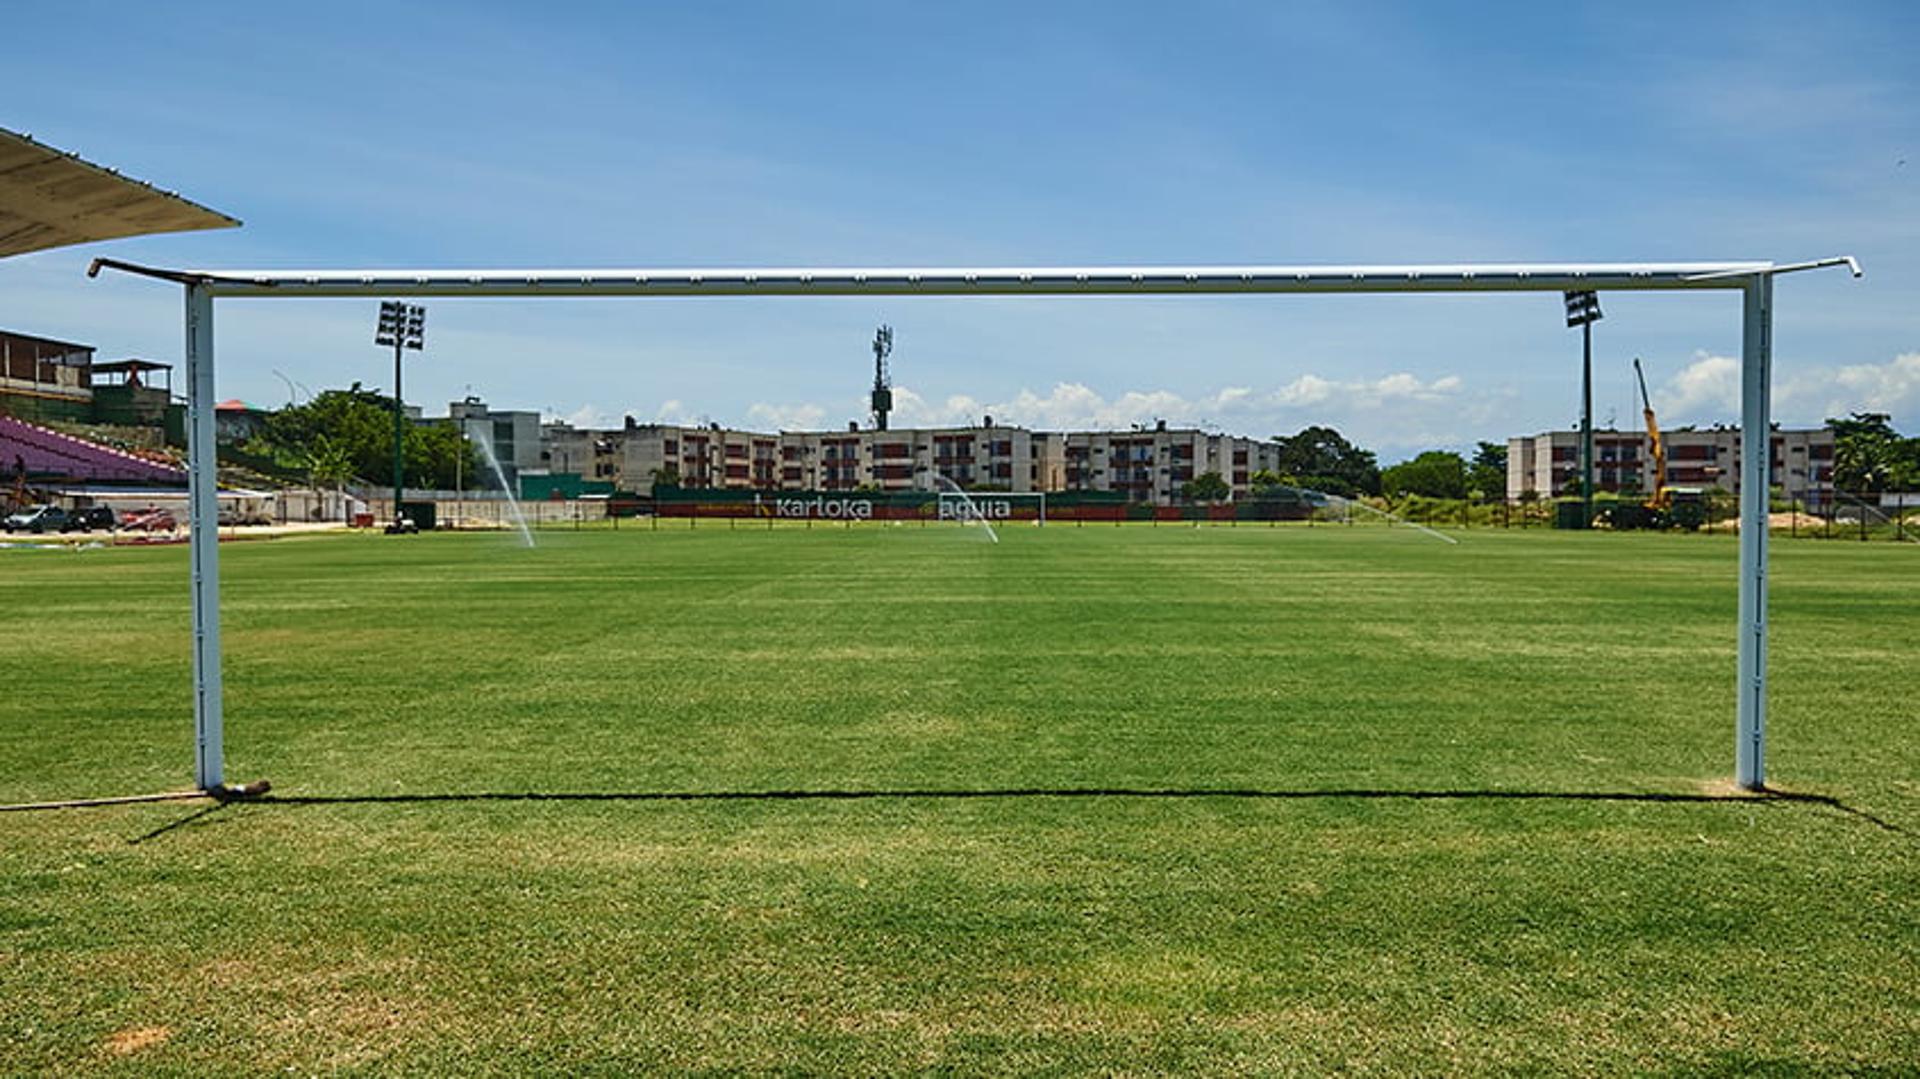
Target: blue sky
491,135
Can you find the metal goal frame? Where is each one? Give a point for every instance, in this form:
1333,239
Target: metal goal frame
1752,279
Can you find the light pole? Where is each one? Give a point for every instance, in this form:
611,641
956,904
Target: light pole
403,326
1583,310
459,474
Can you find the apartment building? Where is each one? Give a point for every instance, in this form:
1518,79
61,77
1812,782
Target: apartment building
1147,464
1548,464
514,436
591,455
1152,464
991,456
711,456
895,460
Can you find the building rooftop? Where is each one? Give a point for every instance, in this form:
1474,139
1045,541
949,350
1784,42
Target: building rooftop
130,366
64,346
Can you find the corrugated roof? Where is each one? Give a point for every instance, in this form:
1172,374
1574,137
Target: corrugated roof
50,198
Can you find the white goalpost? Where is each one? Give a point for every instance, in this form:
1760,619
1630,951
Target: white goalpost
1752,279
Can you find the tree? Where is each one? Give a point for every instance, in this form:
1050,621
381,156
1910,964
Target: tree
664,476
357,424
1264,480
1206,487
1320,459
1869,455
1435,474
1487,475
328,469
328,466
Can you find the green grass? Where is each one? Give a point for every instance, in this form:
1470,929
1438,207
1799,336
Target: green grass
1318,918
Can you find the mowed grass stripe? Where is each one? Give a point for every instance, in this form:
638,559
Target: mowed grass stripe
901,930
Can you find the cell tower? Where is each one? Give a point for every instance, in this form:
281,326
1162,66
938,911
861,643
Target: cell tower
882,382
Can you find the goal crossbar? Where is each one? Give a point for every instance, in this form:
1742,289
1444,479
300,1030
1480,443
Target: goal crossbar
1753,279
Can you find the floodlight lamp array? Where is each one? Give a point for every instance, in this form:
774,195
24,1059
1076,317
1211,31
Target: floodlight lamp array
1583,307
403,323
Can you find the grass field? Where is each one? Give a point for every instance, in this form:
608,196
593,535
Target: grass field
894,799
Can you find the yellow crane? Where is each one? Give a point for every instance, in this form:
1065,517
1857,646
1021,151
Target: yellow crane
1662,497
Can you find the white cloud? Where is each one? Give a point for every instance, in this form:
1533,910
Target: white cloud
1397,411
1892,387
1708,390
1393,414
591,417
798,417
1306,390
802,417
674,412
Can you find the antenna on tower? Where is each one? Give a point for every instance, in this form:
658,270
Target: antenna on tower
882,382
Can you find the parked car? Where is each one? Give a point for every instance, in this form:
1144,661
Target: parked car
37,519
148,520
231,516
92,517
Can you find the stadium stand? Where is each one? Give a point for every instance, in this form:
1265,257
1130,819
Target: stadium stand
48,454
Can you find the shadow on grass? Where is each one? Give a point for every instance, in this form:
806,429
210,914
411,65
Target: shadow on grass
198,814
1763,797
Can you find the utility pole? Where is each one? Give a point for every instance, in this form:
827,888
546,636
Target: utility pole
404,326
1583,310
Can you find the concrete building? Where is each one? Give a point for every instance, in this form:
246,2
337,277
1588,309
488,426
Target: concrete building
1548,464
988,457
1147,464
1152,464
711,456
513,435
591,455
235,421
45,379
715,456
138,393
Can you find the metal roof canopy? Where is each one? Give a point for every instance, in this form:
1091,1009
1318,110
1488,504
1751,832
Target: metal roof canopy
51,198
1753,279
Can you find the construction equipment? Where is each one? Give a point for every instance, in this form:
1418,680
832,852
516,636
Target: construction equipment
1662,498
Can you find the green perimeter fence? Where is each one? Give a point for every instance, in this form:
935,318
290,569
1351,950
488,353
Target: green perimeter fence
669,506
1841,519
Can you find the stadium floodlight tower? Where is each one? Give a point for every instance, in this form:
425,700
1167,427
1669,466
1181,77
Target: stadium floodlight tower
404,326
882,381
1583,310
1752,278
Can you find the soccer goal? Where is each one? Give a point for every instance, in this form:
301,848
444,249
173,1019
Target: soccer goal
1753,280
